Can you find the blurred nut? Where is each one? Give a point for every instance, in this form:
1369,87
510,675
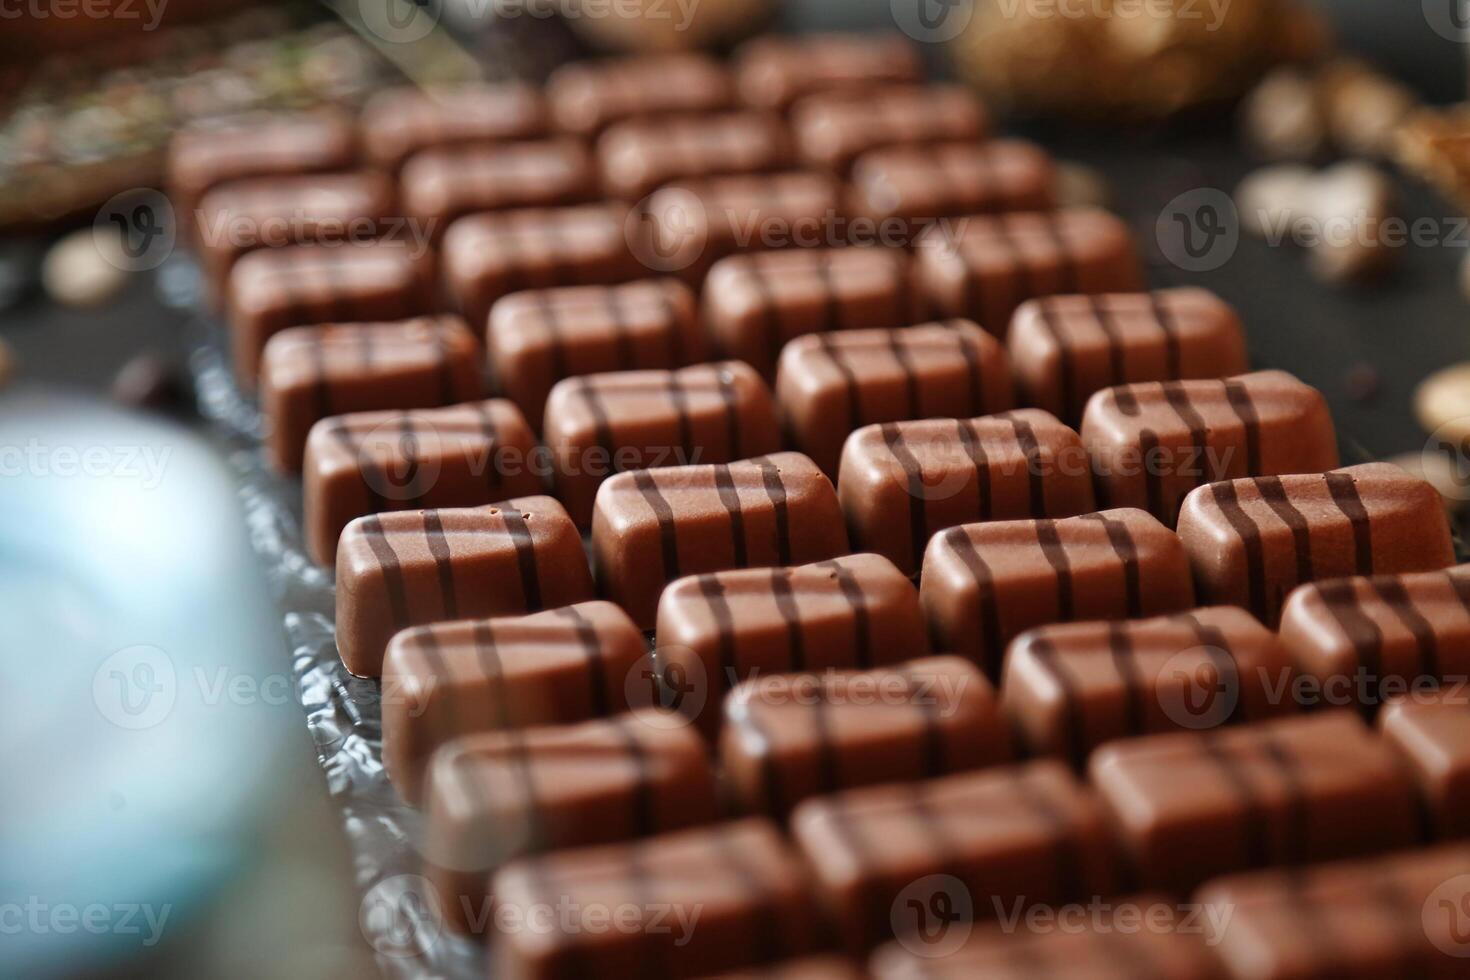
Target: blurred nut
1363,108
1442,403
84,269
1081,186
1351,202
1283,119
1272,200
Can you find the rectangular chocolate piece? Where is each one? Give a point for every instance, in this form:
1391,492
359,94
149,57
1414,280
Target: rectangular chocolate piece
1364,639
694,902
1430,730
650,527
985,584
901,483
412,568
588,96
1193,805
788,737
754,304
311,373
399,122
834,129
914,185
772,72
441,184
1139,937
306,285
832,384
639,156
273,212
970,844
489,256
203,157
719,629
1252,541
1152,443
1072,687
985,267
495,797
601,424
541,336
373,462
1065,348
689,226
1397,916
448,680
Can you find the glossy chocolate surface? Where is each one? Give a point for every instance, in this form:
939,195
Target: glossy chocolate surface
834,129
1430,730
441,184
588,96
639,156
397,123
918,184
772,72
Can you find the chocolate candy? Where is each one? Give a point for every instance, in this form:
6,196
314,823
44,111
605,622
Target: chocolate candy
693,902
1252,541
1152,443
1365,639
755,304
788,737
452,679
399,122
1065,348
807,968
831,384
1193,805
372,462
773,72
444,183
717,630
834,129
903,482
1072,687
689,226
917,184
1397,916
416,567
986,267
204,157
588,96
488,256
650,527
1431,731
639,156
1019,835
601,424
984,584
538,337
304,285
496,797
1140,937
271,212
310,373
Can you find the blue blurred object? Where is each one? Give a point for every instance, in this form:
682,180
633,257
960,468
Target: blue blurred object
144,685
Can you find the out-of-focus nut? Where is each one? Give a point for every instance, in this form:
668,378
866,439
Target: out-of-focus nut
1442,404
1283,119
1272,200
1363,108
84,269
1351,203
1080,186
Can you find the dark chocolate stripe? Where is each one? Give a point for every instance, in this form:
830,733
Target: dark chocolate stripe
525,545
1117,363
990,633
900,354
1075,720
591,645
1257,833
832,317
933,752
732,416
667,526
829,761
1126,549
1031,449
1406,913
586,389
340,431
487,651
1050,541
679,401
1153,480
444,367
1070,881
677,354
857,601
1066,370
975,451
622,339
491,432
1067,271
1213,641
913,475
713,591
552,321
1344,490
640,801
1239,398
321,385
447,723
1125,662
730,500
1340,598
769,940
758,739
408,450
387,558
973,368
849,380
785,598
775,330
1227,498
776,492
1177,397
1274,494
1173,362
443,561
1297,821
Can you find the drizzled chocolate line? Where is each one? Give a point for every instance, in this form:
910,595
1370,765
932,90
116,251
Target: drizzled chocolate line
601,424
857,600
552,321
1120,648
910,379
1391,590
832,318
1344,491
972,367
732,416
525,545
1072,711
487,652
1031,449
1212,640
664,514
913,473
591,645
770,942
1274,494
1227,498
427,643
679,399
622,338
730,500
1340,598
959,542
975,452
342,433
1245,410
388,561
1298,828
1066,370
443,562
1070,880
491,432
776,492
1164,317
1126,549
934,753
775,330
829,765
713,592
785,598
1055,552
645,821
1257,833
1117,355
849,380
1199,437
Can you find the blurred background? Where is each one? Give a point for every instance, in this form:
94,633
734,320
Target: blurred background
163,811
